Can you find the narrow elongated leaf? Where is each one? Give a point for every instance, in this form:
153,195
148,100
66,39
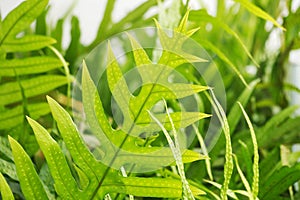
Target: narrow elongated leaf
140,56
20,18
27,43
11,92
228,166
117,83
65,184
32,65
204,150
244,180
31,185
259,12
255,181
5,190
175,147
234,117
93,107
79,152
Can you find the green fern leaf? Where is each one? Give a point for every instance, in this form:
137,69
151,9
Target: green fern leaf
90,169
85,177
17,85
156,187
5,191
141,157
20,18
31,185
12,117
259,12
65,184
32,65
11,92
27,43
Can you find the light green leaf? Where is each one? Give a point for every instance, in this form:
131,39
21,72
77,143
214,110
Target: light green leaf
180,120
255,181
82,157
152,93
5,190
175,147
173,54
205,152
83,179
111,139
219,186
65,184
32,65
140,56
27,43
11,92
117,83
156,187
234,117
31,185
259,12
244,180
20,18
94,111
228,166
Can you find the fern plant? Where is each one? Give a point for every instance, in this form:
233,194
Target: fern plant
26,72
85,177
26,75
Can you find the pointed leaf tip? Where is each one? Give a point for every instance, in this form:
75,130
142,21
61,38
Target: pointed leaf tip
182,26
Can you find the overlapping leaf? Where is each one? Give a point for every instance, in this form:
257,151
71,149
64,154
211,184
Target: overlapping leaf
91,170
134,108
120,148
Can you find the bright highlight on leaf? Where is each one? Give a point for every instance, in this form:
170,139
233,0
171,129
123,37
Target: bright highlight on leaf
259,12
